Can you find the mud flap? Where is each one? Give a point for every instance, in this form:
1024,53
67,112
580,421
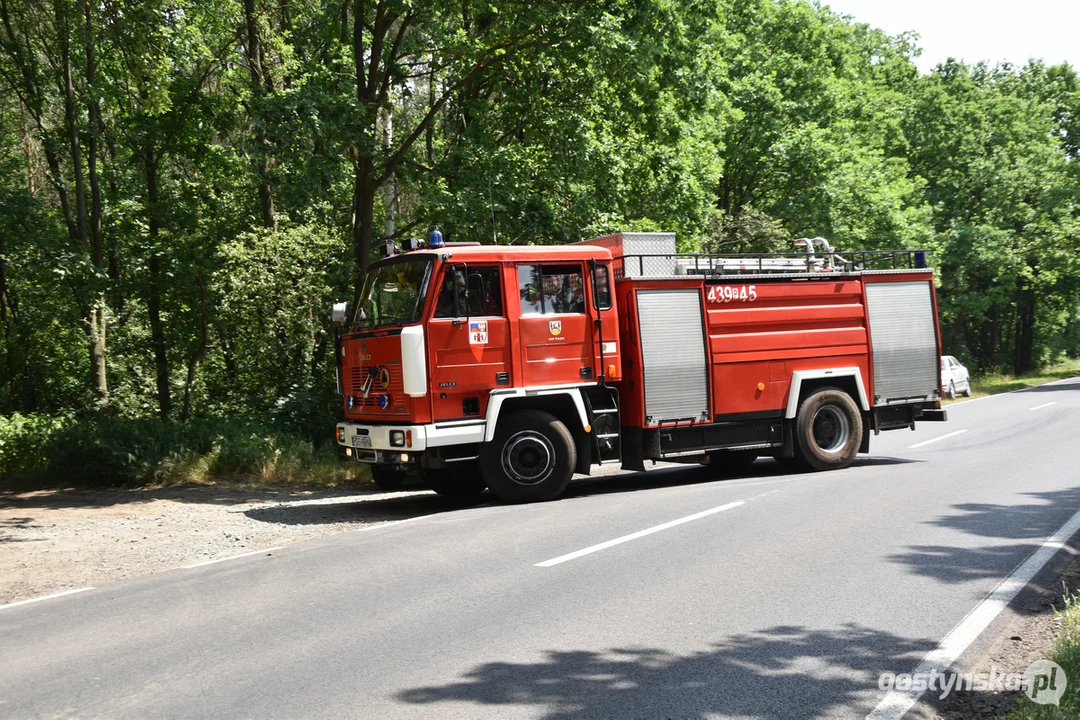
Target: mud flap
633,457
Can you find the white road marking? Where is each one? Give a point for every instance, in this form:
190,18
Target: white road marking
232,557
639,534
934,440
1040,407
897,702
1029,388
44,597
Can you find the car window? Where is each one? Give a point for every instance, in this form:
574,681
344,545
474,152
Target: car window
603,288
551,289
484,296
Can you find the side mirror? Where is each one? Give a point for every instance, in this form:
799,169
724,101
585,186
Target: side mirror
338,312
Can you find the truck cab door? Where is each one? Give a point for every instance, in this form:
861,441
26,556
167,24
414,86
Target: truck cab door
468,341
606,330
555,329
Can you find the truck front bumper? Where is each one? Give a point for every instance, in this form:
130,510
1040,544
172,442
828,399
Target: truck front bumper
408,438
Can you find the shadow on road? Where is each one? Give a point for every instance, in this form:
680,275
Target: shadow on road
367,511
381,507
1024,526
364,505
1052,388
782,672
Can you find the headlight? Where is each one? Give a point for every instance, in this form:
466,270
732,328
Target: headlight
397,438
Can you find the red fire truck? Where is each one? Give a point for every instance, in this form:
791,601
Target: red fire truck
512,368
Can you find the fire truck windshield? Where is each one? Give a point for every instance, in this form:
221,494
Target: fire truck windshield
394,293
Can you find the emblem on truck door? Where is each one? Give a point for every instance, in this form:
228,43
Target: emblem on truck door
555,326
478,332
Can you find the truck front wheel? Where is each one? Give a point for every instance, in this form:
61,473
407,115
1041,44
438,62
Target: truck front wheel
828,430
531,459
388,477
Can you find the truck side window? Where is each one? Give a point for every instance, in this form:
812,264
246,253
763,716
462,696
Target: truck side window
484,293
603,288
551,289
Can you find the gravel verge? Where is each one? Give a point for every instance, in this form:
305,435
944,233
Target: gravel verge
55,540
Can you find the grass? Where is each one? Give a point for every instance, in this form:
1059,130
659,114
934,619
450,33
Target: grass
1066,653
997,384
39,451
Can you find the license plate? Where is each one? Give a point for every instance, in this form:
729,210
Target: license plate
361,441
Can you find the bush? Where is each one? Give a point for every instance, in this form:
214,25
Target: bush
101,450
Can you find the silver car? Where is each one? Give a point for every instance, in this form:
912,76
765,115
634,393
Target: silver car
954,377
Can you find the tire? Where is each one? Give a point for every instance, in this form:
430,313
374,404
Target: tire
531,459
461,483
951,392
967,389
388,477
828,430
731,462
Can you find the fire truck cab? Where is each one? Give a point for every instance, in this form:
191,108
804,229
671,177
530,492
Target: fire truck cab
512,368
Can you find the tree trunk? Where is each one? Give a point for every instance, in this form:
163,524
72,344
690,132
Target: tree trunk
71,127
363,217
389,189
6,320
153,300
99,379
1024,342
258,82
363,182
200,350
27,149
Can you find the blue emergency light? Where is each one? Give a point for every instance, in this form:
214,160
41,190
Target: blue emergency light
435,239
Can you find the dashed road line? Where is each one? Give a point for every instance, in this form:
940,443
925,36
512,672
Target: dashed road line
1040,407
639,534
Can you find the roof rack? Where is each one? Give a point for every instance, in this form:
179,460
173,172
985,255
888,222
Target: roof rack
811,262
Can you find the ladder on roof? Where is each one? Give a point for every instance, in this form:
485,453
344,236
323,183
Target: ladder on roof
809,261
818,257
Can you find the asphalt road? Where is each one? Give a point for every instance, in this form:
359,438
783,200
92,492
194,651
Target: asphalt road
777,595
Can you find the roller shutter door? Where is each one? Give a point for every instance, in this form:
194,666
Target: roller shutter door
673,351
904,339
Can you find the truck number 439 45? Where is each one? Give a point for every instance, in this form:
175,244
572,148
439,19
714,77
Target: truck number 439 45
732,293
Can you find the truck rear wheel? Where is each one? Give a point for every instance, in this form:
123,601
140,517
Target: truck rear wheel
531,459
828,430
388,477
462,480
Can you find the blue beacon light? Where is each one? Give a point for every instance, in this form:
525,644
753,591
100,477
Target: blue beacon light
435,239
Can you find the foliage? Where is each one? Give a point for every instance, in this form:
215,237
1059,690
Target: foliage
1066,653
104,450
